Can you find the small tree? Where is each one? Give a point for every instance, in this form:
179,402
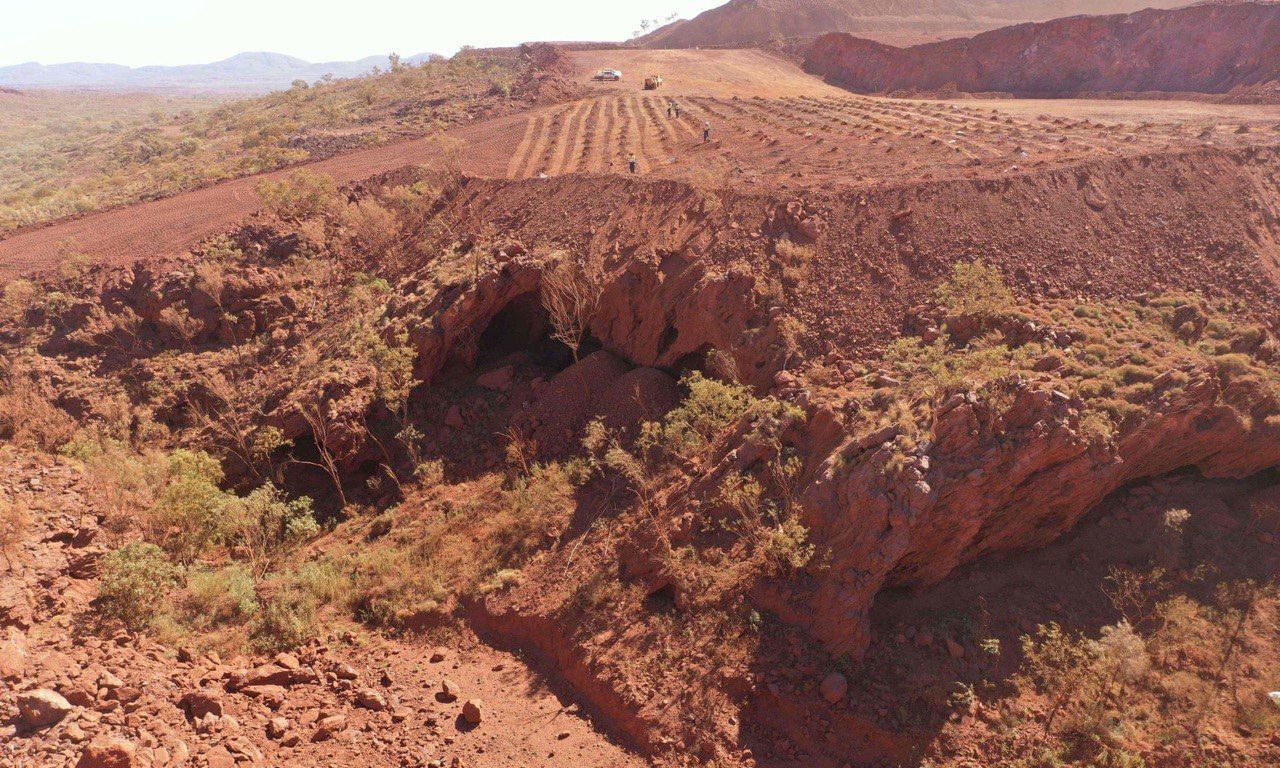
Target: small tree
319,424
135,580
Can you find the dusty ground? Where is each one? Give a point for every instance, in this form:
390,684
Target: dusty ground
772,128
49,639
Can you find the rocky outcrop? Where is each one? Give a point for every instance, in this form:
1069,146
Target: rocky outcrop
1236,47
989,479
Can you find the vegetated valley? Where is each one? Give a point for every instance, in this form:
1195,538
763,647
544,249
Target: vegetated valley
777,452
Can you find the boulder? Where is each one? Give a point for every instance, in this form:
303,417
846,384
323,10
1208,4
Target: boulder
271,674
109,681
329,727
42,708
498,380
13,655
196,704
107,752
277,727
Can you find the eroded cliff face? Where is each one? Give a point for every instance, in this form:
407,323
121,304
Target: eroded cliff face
987,479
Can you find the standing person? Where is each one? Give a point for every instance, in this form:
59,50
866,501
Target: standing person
668,109
706,132
676,106
631,163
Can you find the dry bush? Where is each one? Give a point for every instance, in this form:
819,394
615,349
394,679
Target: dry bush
571,290
796,262
371,230
14,522
299,196
121,485
28,417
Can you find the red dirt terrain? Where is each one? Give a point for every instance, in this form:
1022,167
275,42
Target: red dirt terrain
883,385
343,701
773,128
900,22
1212,49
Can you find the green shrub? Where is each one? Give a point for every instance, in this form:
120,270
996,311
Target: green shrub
287,620
708,410
787,546
135,580
974,289
265,523
218,597
189,515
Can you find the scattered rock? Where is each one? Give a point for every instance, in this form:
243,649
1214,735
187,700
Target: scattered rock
288,661
371,699
955,649
73,733
473,711
329,727
201,702
453,418
219,757
277,727
449,690
109,681
834,688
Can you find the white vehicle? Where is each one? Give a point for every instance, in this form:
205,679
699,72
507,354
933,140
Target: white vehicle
608,75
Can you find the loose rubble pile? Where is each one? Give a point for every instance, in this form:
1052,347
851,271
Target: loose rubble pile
73,693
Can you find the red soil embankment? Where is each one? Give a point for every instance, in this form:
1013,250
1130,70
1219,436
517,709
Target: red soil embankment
1202,221
1205,49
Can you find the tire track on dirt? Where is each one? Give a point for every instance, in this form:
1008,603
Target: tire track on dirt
659,131
575,133
554,165
609,144
515,169
645,161
592,139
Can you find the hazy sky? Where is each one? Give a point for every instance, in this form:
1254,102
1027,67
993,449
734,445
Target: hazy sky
137,32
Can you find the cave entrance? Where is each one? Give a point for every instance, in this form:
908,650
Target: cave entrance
524,326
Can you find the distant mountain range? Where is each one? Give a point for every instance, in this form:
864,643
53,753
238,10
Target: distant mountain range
1214,48
242,72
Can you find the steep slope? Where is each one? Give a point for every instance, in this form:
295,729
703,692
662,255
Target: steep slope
251,71
901,22
1205,49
